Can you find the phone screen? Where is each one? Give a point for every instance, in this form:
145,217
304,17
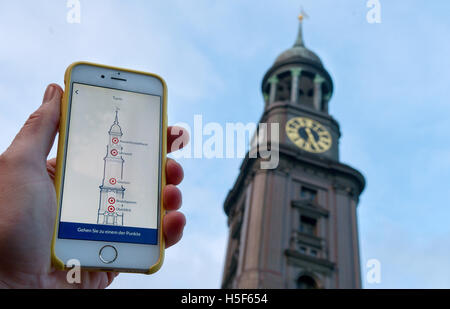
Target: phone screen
111,181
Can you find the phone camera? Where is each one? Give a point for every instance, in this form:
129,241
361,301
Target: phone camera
103,76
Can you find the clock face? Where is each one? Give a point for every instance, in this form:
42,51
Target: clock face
309,135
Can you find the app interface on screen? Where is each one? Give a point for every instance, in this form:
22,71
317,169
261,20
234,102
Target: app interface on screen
111,180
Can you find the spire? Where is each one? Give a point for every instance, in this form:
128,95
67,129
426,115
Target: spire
301,17
116,121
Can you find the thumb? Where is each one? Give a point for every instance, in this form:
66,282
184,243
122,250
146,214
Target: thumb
35,139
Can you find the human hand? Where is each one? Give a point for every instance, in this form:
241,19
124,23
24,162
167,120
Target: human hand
28,203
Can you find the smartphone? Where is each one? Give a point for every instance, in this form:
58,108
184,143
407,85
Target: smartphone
109,177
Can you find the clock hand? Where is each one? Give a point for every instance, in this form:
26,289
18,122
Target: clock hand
311,138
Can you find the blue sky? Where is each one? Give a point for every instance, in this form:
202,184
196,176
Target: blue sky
391,100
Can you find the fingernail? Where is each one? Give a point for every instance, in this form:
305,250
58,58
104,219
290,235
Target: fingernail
49,94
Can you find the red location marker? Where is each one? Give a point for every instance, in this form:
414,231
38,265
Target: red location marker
111,208
115,140
113,181
112,200
114,152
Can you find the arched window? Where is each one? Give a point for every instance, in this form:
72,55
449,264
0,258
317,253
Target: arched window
306,90
306,282
284,87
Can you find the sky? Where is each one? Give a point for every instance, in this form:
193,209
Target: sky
391,100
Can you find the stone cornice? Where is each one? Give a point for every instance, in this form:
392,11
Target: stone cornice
317,264
334,168
309,207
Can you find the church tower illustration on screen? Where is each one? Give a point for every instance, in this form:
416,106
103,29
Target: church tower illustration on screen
111,190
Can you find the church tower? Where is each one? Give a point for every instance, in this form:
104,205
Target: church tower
111,189
295,226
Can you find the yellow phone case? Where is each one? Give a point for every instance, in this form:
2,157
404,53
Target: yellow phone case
58,264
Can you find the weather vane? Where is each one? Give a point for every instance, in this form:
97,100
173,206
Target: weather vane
302,15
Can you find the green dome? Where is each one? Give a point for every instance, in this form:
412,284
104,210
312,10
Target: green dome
299,53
